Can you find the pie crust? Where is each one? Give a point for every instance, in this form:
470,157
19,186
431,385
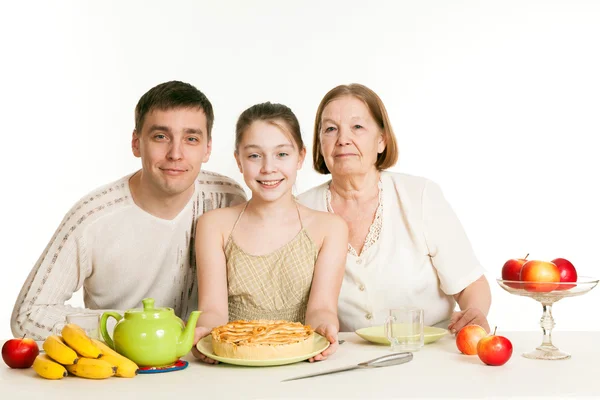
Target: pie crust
262,339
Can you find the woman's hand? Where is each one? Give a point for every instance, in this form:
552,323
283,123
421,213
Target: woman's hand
330,333
470,316
199,333
474,301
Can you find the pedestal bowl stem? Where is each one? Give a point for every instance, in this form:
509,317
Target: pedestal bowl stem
547,351
547,324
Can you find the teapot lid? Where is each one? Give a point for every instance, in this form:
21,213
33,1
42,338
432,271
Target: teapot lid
149,311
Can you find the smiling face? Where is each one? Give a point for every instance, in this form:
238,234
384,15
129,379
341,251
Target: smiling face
269,159
350,138
173,145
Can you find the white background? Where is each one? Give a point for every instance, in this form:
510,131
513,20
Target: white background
498,102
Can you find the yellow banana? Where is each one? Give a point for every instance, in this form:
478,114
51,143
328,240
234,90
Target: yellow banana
125,367
91,368
79,341
57,350
46,368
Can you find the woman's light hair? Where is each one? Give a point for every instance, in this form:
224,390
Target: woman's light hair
389,156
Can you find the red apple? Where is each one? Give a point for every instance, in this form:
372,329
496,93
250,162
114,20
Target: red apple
540,271
567,272
511,271
494,349
20,352
468,337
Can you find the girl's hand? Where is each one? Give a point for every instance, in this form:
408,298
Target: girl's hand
199,333
330,333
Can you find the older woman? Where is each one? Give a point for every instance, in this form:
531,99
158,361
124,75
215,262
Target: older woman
406,245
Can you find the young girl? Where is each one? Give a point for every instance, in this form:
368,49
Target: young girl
270,258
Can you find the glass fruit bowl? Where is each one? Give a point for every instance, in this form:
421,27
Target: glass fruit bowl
548,294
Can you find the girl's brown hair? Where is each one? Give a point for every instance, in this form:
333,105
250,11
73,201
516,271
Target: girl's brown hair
271,113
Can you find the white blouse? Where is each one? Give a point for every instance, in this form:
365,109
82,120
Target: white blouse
421,258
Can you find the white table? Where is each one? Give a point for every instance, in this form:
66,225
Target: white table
437,371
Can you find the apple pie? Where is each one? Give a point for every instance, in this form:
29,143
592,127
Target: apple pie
262,339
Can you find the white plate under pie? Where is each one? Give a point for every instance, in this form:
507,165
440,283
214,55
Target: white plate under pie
205,347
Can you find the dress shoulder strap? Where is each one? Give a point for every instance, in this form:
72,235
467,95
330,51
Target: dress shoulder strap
238,219
299,217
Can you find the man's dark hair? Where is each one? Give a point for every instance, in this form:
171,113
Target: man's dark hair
170,95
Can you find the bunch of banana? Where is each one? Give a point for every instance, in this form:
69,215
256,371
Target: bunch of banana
81,356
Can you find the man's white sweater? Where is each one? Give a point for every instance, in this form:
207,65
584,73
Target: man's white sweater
119,254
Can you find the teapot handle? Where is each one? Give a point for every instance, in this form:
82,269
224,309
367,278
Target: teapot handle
105,335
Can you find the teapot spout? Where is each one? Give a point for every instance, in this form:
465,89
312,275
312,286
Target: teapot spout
186,339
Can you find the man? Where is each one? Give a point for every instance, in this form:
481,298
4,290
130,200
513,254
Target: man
134,238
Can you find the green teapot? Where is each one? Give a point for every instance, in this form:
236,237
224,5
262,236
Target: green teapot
150,337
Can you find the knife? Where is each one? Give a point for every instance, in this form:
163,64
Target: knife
385,361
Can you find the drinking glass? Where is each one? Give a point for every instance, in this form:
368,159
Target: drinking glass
404,329
89,322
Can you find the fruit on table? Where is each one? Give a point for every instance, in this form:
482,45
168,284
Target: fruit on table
79,341
468,338
125,367
48,368
567,271
20,352
61,358
58,350
494,349
511,270
92,368
540,271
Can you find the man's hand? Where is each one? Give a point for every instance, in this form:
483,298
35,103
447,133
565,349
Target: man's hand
330,333
199,333
466,317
